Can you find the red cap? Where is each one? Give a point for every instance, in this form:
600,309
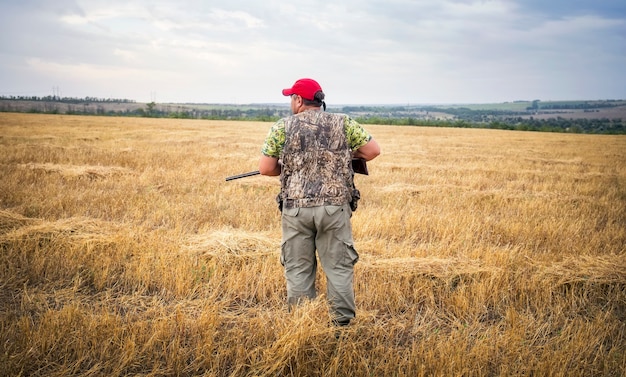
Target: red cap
305,88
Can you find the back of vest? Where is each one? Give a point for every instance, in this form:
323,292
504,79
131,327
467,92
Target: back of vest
316,161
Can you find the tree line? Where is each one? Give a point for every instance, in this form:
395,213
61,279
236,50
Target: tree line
72,100
558,124
385,115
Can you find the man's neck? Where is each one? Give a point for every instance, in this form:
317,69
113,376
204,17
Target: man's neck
308,108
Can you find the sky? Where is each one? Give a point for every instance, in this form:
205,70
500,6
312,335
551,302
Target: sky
360,51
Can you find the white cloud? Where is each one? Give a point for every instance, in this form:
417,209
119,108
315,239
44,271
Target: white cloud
361,51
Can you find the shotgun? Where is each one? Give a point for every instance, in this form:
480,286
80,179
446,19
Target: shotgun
359,166
248,174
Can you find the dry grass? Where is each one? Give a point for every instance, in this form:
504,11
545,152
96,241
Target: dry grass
483,252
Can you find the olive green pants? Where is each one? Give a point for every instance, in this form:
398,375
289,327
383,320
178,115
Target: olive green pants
326,229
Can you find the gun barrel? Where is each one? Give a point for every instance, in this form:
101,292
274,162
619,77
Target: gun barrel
248,174
359,166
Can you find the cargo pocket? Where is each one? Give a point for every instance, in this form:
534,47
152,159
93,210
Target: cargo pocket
351,255
282,254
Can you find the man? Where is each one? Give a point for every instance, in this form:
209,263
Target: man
312,151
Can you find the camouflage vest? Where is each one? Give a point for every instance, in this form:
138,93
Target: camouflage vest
316,160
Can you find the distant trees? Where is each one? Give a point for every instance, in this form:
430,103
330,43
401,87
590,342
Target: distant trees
557,124
71,100
429,116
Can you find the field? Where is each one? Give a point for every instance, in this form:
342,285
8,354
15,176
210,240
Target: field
482,253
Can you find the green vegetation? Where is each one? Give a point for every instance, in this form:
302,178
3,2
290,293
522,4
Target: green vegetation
72,100
535,115
558,124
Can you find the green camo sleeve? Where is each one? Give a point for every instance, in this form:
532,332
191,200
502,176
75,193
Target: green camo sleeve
275,140
355,133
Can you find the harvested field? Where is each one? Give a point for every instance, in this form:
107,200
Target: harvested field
482,253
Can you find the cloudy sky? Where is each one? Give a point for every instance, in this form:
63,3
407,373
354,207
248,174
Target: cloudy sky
361,51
